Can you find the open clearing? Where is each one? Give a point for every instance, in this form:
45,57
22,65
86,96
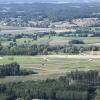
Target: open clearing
57,40
64,40
51,66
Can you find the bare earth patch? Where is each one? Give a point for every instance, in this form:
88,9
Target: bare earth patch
74,56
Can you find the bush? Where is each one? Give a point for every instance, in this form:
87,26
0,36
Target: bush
25,72
76,42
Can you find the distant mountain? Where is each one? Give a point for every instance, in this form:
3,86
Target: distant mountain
48,1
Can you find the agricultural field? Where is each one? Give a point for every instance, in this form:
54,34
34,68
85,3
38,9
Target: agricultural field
55,40
43,40
65,40
58,40
29,30
51,66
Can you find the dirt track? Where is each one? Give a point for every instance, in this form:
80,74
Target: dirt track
74,56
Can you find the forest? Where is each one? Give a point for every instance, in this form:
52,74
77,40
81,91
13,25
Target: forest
13,69
23,13
76,85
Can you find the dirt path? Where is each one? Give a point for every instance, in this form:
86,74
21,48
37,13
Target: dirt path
74,56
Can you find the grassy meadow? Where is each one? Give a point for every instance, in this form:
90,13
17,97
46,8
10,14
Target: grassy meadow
48,66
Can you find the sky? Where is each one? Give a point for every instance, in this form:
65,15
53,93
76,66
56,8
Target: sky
48,1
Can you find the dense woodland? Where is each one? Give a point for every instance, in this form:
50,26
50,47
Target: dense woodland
77,85
9,70
23,13
13,69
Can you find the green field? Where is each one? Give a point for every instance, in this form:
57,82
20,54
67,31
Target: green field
50,68
54,40
57,40
43,40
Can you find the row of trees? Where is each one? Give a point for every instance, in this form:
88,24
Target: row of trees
29,49
9,69
13,69
58,89
36,36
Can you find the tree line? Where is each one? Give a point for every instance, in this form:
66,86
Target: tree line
69,87
13,69
40,12
28,49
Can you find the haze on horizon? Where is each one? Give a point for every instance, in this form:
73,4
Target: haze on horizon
48,1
